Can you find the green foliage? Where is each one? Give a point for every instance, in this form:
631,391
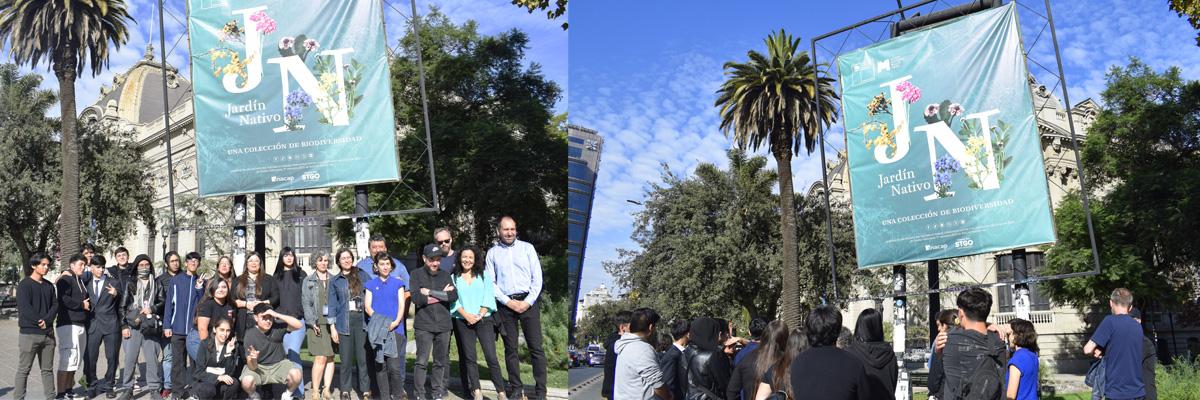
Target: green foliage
497,148
554,331
560,8
115,185
600,322
30,156
1189,9
1181,380
1142,155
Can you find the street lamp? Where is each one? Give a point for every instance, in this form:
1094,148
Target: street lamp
635,202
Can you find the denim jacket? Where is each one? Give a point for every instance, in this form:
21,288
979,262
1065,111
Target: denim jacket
339,298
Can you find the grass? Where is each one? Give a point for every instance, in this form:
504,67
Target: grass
555,378
1066,396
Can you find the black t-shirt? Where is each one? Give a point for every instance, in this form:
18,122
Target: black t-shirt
290,293
829,373
212,310
269,345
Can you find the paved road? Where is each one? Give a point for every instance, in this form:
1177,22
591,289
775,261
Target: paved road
585,382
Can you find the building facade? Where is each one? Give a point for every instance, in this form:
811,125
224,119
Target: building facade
596,296
583,163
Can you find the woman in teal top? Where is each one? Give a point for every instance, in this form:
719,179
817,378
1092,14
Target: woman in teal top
472,314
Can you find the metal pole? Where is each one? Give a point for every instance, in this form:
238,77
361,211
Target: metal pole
1020,290
824,175
416,23
935,298
239,233
260,230
362,230
899,321
162,42
1074,143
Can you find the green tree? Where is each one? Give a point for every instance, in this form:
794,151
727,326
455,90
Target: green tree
1142,161
497,147
71,36
560,8
600,321
116,190
772,99
1189,9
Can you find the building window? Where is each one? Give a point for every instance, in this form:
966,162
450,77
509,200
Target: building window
307,228
578,170
574,139
1034,262
574,152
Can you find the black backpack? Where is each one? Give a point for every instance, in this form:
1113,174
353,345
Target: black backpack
986,380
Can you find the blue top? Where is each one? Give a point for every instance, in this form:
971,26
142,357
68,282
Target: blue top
339,301
514,269
474,295
385,298
741,355
398,270
183,295
1121,338
448,262
1027,362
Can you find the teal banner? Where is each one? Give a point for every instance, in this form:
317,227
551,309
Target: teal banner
944,153
290,95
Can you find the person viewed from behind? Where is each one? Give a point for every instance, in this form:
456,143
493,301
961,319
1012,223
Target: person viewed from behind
315,297
745,383
876,354
1118,341
105,328
758,326
1021,382
183,295
266,361
433,295
346,302
708,367
515,270
1149,358
671,361
218,362
384,304
776,383
825,372
253,287
74,304
473,321
37,306
290,280
141,325
638,375
946,319
974,355
610,353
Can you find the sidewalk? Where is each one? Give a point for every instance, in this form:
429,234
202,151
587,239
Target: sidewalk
9,353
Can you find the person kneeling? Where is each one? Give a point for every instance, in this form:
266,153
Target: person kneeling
219,359
266,361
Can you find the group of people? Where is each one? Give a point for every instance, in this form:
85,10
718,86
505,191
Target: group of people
971,358
228,335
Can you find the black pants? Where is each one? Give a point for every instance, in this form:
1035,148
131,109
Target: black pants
437,343
181,373
465,336
531,323
391,376
91,354
352,347
215,390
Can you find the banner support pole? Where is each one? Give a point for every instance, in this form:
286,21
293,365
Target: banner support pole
260,230
932,274
239,233
362,229
899,322
825,181
162,44
416,24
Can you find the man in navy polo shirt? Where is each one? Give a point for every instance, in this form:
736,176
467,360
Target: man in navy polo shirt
1119,341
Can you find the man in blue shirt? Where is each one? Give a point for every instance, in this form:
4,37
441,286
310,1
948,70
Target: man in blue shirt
377,245
514,267
1119,341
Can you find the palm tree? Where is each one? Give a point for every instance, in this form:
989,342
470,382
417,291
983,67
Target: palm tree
772,100
71,36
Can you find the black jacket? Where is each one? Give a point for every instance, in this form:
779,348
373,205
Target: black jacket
126,275
973,363
610,366
206,357
743,380
106,308
36,301
937,375
880,362
671,364
1149,361
267,290
706,370
71,295
130,311
830,373
432,317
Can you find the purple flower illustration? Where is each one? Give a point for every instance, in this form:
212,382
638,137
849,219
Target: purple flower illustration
293,112
956,109
908,92
286,43
932,110
311,44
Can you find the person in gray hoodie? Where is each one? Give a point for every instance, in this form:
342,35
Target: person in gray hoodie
638,375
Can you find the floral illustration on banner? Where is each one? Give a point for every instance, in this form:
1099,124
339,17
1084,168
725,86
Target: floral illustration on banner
293,112
976,168
228,61
880,105
323,69
943,179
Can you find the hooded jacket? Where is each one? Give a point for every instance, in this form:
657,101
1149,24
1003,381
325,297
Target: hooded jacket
183,293
130,309
974,364
881,365
707,366
637,373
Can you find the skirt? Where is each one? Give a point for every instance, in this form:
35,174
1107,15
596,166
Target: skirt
320,345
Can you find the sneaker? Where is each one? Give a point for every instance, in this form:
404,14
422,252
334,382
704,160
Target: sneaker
112,394
166,393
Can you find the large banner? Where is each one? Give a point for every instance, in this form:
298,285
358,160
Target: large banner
944,153
290,95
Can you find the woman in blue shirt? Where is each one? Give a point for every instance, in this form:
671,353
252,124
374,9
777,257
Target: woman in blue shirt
1021,383
472,314
385,298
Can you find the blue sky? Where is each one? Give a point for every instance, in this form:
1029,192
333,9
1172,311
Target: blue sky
644,75
548,42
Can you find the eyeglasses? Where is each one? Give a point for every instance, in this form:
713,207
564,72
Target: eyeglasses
447,241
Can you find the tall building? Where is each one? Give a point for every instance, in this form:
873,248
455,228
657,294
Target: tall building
596,296
583,163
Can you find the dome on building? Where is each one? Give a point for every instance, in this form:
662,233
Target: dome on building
136,95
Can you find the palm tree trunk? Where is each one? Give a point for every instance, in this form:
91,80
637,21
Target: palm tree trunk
787,226
68,230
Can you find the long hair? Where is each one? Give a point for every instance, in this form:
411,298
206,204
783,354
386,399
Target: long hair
297,273
869,328
771,349
232,272
167,261
210,293
243,280
797,343
476,270
352,277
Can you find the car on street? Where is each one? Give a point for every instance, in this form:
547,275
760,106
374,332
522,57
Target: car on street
596,359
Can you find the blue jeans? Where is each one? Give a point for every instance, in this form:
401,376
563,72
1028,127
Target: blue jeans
292,342
193,344
164,343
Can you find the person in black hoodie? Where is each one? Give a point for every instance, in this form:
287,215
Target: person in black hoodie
825,372
975,354
141,325
876,354
171,261
1149,357
707,365
946,320
74,304
610,353
433,294
37,305
218,363
123,269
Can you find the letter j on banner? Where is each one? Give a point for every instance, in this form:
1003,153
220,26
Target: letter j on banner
290,96
944,153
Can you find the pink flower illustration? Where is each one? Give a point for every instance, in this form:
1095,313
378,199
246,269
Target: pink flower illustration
931,110
956,109
263,23
286,43
909,92
311,44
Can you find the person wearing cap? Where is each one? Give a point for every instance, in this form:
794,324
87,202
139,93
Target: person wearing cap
266,359
514,268
1149,358
433,293
386,295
